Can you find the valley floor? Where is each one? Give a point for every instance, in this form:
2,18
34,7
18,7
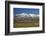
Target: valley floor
26,24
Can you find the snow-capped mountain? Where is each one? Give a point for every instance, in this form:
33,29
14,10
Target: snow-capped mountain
27,15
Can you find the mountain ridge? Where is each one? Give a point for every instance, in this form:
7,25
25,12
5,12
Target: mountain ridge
27,15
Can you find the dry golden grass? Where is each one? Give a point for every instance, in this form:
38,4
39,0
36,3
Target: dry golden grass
26,24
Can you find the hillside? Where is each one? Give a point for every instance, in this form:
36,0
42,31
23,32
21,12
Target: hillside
28,19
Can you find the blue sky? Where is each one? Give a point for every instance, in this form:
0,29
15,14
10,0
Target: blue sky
25,10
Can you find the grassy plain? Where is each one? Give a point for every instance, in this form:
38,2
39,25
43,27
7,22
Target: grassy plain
26,24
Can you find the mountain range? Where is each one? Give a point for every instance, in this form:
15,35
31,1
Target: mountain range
27,15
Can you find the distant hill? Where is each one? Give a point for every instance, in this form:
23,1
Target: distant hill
26,17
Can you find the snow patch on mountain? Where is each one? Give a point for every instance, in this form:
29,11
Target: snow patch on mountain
28,15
